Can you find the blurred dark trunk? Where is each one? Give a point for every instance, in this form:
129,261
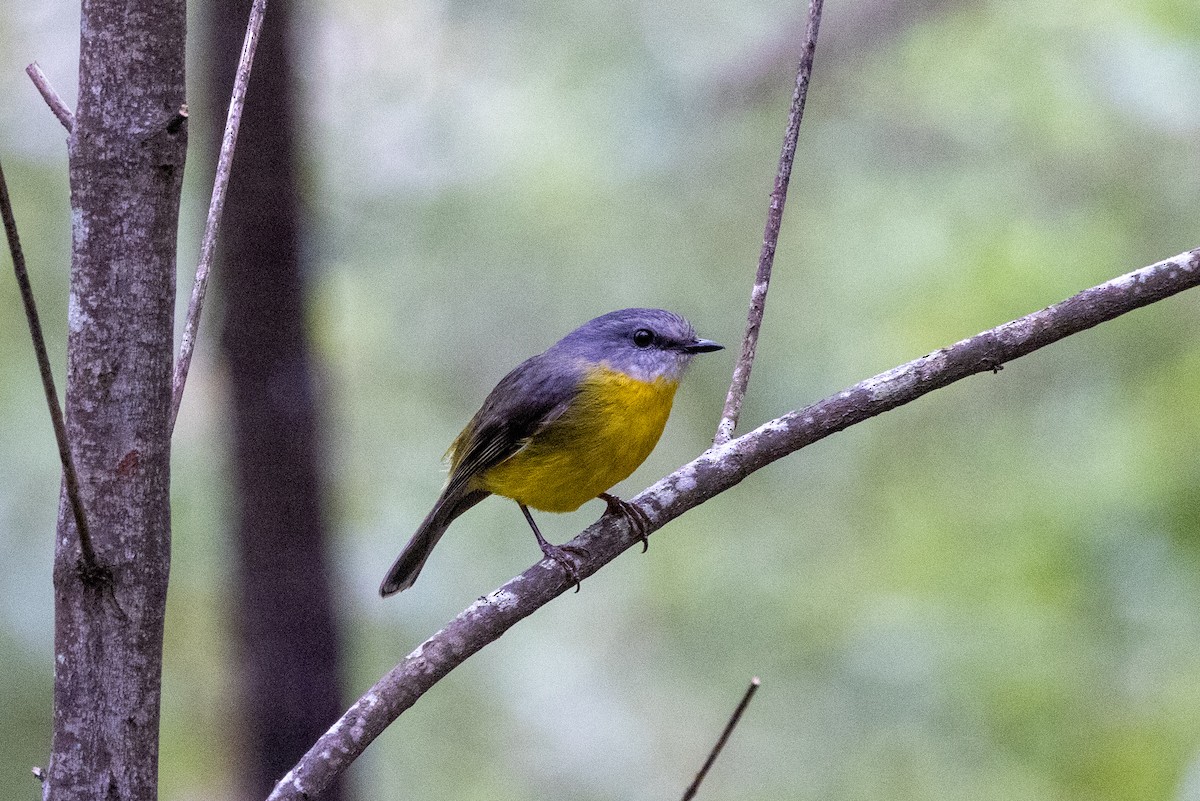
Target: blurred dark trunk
288,642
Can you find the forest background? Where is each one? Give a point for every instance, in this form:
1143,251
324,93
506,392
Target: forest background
991,594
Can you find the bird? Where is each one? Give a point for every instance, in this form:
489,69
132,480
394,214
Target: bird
563,427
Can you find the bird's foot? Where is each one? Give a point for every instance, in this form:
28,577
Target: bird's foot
556,553
559,553
639,521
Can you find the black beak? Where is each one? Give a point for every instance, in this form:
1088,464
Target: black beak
702,346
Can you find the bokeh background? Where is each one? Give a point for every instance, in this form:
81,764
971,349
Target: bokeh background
991,594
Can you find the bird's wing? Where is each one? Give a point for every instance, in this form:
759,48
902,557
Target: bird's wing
525,401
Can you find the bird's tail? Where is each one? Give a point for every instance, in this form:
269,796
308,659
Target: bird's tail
408,565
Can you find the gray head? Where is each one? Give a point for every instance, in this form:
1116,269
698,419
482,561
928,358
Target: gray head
644,343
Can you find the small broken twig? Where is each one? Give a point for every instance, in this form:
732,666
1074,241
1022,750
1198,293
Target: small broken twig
216,206
91,564
766,258
729,727
56,104
178,119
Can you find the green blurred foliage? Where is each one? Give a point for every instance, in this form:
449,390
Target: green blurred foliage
991,594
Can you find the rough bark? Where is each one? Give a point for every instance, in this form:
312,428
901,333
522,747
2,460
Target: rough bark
126,154
288,641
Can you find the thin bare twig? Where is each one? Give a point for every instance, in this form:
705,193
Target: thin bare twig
766,258
216,206
51,97
91,564
713,472
690,793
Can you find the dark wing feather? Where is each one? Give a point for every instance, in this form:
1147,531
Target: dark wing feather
524,402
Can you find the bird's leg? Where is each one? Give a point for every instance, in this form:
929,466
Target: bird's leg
554,552
638,521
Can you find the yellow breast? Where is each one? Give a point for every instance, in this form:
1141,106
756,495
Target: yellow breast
610,429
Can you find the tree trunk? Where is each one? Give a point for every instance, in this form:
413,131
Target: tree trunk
288,641
127,153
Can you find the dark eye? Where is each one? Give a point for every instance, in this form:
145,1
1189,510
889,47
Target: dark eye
643,337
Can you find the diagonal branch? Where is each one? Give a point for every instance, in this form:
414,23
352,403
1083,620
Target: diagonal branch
216,206
91,565
766,258
710,474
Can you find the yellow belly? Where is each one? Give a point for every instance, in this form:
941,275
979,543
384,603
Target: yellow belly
608,431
